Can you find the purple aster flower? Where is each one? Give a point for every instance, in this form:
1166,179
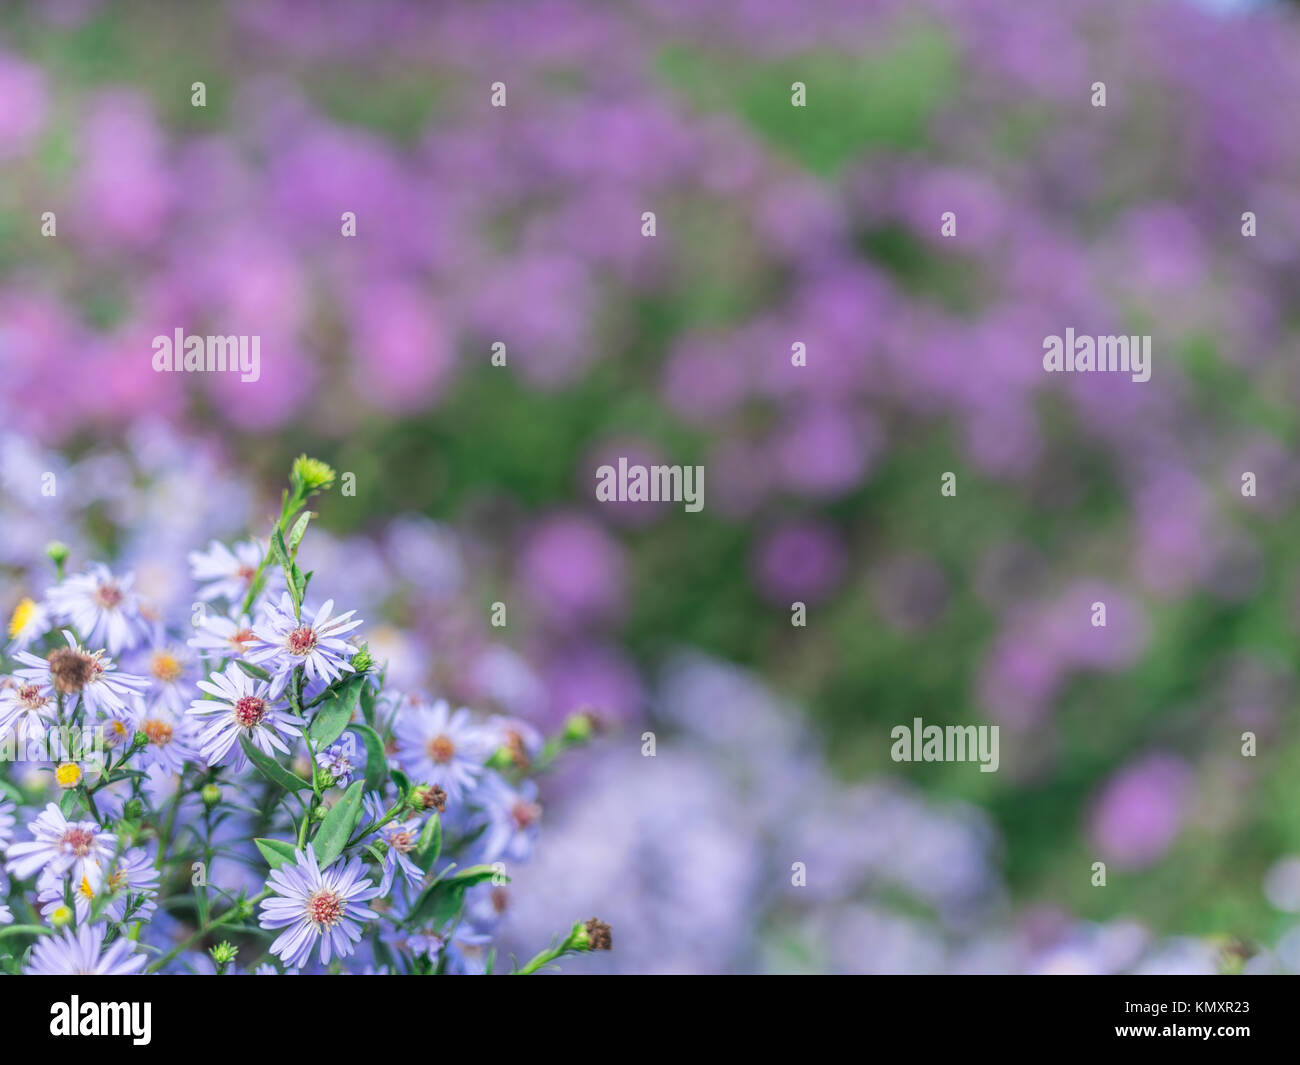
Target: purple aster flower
285,642
26,702
512,816
82,953
101,607
438,747
166,662
241,707
336,760
399,839
62,846
172,736
133,879
224,573
224,637
312,905
73,670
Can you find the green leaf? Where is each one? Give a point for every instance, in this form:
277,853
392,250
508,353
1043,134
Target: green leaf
402,781
376,757
335,713
271,769
252,670
430,844
295,535
68,803
25,930
277,852
442,901
337,827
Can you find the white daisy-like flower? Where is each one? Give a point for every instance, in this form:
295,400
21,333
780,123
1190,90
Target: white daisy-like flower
73,670
314,642
241,707
438,747
82,953
61,846
224,573
29,621
100,606
314,905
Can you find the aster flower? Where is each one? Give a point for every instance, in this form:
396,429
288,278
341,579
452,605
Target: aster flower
241,707
101,607
399,839
29,621
173,738
27,703
466,948
438,747
316,643
511,816
133,878
223,573
6,824
82,953
336,760
73,670
62,846
224,637
166,663
313,905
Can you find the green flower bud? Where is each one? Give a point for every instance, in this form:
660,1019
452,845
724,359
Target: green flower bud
362,661
224,953
57,552
579,727
133,809
311,475
61,916
210,794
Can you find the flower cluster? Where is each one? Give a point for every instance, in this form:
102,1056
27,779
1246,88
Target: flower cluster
250,796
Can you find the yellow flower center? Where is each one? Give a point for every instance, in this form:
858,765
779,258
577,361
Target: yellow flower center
23,613
165,667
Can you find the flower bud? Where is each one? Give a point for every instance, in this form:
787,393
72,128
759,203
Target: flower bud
311,475
57,552
61,916
210,794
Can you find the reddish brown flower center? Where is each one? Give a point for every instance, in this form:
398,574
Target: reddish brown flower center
250,710
441,749
71,669
246,573
401,841
30,696
240,639
159,732
325,908
525,813
78,841
108,596
302,640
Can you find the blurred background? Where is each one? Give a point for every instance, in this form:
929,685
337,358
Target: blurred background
776,225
